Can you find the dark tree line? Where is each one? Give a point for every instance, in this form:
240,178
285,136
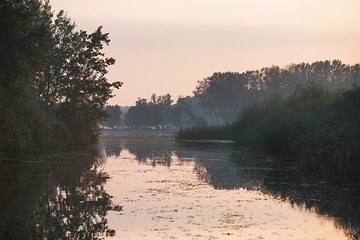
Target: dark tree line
319,129
225,94
316,129
53,85
160,111
114,116
219,99
308,112
150,112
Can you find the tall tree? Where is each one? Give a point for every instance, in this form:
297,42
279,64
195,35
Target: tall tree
74,82
24,33
224,94
150,112
114,116
53,84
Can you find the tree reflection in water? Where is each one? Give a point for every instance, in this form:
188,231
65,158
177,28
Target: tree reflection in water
74,210
225,166
61,198
333,196
156,151
336,197
146,155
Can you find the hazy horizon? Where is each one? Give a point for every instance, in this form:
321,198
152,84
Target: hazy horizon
164,46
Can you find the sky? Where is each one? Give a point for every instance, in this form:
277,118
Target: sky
166,46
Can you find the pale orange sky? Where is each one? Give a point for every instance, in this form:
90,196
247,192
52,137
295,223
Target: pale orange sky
165,46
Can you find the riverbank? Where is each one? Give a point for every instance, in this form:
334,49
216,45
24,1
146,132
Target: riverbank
316,129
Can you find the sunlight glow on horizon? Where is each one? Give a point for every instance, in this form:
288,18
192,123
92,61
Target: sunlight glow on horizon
165,46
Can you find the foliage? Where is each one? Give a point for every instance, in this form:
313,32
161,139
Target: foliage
52,79
24,33
150,112
182,113
319,128
225,94
114,116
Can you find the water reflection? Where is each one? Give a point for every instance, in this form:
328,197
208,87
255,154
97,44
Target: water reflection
63,197
327,195
153,151
225,166
57,198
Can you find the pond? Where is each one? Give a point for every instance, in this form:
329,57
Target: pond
136,185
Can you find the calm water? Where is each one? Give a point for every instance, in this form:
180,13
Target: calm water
147,186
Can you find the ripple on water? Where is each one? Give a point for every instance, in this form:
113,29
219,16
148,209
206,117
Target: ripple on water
172,203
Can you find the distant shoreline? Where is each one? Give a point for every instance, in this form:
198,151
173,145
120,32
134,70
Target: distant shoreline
137,133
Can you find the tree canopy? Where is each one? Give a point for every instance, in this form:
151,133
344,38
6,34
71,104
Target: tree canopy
225,94
53,85
152,112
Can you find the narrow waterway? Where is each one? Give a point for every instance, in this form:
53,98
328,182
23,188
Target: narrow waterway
208,190
145,185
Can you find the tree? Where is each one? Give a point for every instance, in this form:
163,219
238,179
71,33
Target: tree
224,94
181,114
151,112
53,81
114,116
76,87
24,34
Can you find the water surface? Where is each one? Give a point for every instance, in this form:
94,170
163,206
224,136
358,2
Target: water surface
147,186
214,190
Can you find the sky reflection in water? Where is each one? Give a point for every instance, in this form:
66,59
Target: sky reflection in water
206,191
169,190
